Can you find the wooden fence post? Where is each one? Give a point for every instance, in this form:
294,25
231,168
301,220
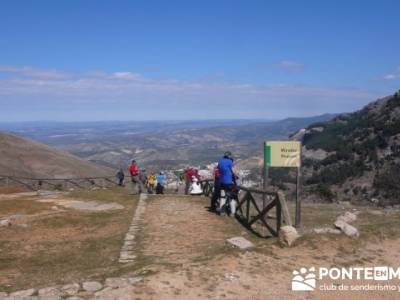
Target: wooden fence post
285,211
298,201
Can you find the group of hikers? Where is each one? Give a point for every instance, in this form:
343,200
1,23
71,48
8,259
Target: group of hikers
141,182
224,196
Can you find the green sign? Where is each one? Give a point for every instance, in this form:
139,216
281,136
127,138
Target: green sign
283,154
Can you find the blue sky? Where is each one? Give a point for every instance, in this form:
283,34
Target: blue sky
138,60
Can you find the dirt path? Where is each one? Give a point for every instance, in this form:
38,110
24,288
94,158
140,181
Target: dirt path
183,251
180,230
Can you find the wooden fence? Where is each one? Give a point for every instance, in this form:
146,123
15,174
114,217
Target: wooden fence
261,211
35,184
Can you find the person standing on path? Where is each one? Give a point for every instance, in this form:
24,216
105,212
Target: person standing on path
217,189
151,183
136,183
227,180
120,176
143,177
161,180
189,173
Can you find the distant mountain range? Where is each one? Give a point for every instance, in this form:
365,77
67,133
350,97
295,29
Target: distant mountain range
22,157
356,156
161,145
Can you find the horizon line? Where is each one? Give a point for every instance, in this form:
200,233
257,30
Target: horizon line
169,120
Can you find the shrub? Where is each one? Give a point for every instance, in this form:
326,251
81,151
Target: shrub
387,183
324,192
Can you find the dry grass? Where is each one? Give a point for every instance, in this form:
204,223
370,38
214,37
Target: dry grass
22,206
12,189
63,247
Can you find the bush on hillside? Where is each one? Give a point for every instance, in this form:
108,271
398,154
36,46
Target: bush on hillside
387,183
323,191
338,173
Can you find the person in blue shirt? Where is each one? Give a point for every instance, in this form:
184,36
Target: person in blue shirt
225,166
227,182
161,178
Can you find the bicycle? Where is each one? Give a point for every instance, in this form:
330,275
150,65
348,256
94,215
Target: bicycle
228,201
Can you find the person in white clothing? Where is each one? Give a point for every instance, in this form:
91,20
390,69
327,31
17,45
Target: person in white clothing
195,188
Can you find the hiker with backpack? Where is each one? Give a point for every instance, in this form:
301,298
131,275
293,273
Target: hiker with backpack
228,195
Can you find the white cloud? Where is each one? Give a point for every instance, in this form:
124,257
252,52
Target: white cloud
172,98
291,65
34,72
393,76
126,75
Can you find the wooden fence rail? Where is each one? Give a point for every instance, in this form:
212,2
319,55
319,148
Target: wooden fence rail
35,184
254,213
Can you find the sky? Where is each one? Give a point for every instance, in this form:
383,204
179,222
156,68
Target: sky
93,60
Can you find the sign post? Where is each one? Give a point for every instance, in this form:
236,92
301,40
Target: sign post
286,154
265,177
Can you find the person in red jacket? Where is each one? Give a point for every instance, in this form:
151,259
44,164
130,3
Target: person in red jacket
189,173
134,171
217,189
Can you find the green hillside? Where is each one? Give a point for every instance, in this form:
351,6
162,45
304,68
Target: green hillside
360,157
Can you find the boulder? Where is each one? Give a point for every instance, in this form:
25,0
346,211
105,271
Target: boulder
125,293
92,286
327,230
120,282
116,282
288,235
240,242
50,291
5,222
71,289
347,229
348,217
134,280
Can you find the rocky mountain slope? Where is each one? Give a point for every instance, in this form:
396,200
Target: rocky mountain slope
26,158
356,156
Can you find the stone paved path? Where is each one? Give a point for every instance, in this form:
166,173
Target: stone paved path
127,252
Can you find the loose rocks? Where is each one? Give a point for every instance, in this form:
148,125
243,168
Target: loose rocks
24,293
